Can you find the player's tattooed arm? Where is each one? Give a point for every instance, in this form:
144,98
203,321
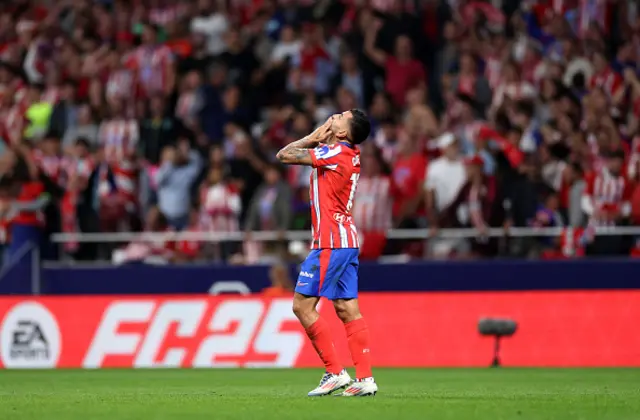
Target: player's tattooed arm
298,152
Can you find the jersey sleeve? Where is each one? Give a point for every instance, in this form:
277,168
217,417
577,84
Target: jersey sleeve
327,157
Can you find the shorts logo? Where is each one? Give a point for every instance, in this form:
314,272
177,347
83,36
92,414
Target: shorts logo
30,337
301,284
305,274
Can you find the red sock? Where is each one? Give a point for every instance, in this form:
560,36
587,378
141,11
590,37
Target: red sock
358,338
320,336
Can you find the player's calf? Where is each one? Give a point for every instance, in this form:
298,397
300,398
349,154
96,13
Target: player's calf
357,335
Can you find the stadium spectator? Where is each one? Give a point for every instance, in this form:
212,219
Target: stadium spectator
281,284
373,202
64,116
212,24
402,71
606,201
270,208
220,209
406,179
84,129
158,130
571,191
469,81
444,179
478,207
175,180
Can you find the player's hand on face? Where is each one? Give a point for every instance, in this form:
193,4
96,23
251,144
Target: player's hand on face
324,131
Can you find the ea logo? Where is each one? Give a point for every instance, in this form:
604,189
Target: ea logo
29,337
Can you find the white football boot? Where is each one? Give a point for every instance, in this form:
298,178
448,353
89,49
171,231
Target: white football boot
361,388
331,382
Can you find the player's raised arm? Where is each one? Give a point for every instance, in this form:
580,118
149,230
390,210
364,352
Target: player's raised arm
299,151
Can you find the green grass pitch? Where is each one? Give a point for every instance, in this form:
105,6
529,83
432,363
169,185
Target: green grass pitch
486,394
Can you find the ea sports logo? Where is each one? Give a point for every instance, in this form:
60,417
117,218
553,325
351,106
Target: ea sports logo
30,337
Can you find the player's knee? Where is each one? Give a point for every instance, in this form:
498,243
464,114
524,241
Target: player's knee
298,308
302,308
347,310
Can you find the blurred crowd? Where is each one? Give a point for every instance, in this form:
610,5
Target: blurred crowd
166,115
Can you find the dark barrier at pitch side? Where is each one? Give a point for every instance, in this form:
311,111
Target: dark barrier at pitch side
417,276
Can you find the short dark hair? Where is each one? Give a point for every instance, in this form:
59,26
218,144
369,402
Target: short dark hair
83,141
360,126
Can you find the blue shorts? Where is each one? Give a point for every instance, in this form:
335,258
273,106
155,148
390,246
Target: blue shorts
332,273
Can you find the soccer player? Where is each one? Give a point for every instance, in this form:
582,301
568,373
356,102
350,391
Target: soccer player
331,269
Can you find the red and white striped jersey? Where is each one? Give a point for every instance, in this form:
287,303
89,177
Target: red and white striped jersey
372,207
151,64
15,124
20,94
607,193
595,159
120,138
79,167
220,210
609,80
574,240
120,84
54,167
593,12
334,179
493,70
